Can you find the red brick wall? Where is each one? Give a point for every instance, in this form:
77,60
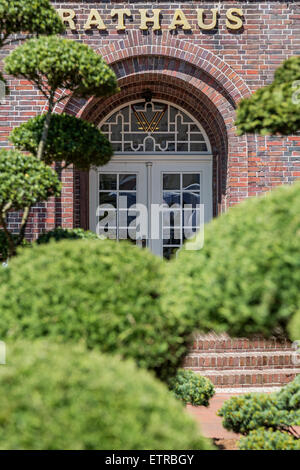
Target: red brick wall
206,73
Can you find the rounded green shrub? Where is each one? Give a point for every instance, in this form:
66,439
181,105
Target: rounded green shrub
263,439
104,293
246,278
62,63
70,140
30,17
192,388
279,411
63,397
60,233
24,180
243,413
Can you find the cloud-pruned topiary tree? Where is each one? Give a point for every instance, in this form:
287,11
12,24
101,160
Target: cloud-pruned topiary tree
70,140
271,417
30,17
274,109
52,63
24,181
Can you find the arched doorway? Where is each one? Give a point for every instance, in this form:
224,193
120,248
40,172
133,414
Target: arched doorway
157,189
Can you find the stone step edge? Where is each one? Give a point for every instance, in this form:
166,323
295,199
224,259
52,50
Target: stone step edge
248,389
210,372
244,349
240,354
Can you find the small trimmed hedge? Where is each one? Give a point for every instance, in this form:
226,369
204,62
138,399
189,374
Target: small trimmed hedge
244,413
104,293
63,397
263,439
265,416
59,233
192,388
245,280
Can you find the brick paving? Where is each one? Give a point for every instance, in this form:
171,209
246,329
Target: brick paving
210,423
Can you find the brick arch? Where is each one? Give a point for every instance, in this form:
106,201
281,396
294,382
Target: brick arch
176,93
184,51
197,80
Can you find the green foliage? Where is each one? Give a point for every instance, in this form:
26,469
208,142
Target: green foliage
70,140
24,180
52,62
59,233
35,17
263,439
63,397
274,412
104,293
244,413
246,278
274,108
294,327
289,397
192,388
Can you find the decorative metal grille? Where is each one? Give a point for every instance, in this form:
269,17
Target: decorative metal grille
154,128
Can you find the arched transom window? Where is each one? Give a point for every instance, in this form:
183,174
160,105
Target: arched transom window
155,127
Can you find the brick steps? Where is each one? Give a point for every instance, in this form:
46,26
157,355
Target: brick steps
242,363
255,378
242,360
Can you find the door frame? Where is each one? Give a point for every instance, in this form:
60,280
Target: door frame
148,164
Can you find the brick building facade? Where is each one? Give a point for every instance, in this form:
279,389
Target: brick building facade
202,62
197,60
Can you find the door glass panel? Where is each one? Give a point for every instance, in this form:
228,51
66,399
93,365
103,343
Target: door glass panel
107,181
191,182
127,182
182,222
118,190
171,198
171,181
108,198
191,198
127,200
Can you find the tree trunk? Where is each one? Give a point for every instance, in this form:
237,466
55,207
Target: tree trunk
8,235
42,144
23,225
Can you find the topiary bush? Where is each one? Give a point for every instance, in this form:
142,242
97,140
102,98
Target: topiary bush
246,278
263,439
274,108
192,388
265,416
32,17
63,397
244,413
70,140
59,233
104,293
24,181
